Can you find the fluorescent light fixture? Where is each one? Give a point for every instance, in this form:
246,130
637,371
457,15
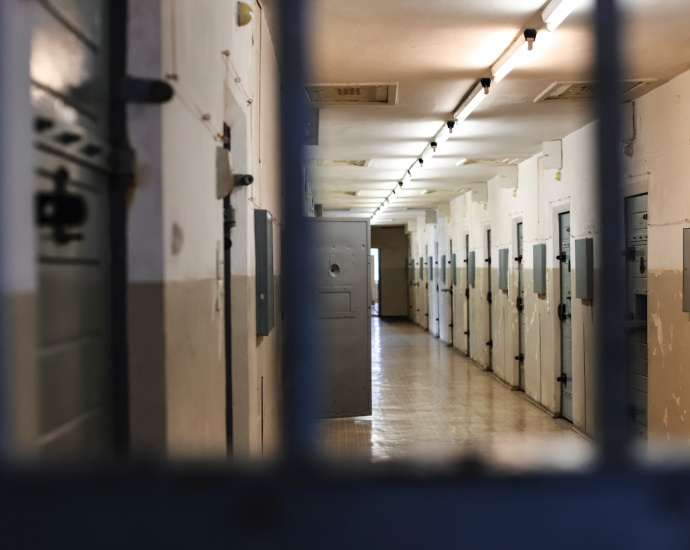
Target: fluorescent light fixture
407,178
428,153
555,13
415,168
514,55
443,135
461,162
474,99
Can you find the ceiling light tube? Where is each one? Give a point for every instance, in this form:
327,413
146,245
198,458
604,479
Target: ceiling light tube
474,99
461,162
515,53
556,12
442,136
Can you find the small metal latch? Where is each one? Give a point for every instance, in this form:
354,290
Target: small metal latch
562,257
520,357
563,378
518,259
467,333
490,343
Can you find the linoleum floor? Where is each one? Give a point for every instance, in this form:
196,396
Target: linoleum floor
432,404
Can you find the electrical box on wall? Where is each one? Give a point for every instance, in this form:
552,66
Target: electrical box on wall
686,270
443,268
584,270
539,252
503,269
263,238
470,268
454,269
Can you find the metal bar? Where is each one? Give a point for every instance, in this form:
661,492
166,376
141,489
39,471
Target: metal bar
300,341
611,350
122,178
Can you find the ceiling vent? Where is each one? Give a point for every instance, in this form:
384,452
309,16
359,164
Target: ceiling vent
584,91
353,94
341,163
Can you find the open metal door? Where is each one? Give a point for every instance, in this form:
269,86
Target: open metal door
70,98
564,314
342,314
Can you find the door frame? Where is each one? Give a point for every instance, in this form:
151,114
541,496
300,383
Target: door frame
553,296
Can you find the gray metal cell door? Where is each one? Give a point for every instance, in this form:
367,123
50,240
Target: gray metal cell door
341,312
489,297
69,93
636,270
564,314
521,309
437,289
467,292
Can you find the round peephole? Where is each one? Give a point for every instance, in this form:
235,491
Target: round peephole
334,270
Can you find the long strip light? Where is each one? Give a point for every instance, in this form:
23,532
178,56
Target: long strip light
473,100
555,13
514,55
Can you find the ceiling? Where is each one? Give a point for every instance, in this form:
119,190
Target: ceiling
437,50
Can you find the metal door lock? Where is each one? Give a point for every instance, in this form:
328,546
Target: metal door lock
61,210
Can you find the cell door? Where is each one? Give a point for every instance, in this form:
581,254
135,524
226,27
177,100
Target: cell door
341,313
636,269
436,286
467,292
70,99
564,314
489,298
521,309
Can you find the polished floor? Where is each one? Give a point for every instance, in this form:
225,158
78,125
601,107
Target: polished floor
431,404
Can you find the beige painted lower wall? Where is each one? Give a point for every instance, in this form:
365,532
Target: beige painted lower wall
177,370
669,372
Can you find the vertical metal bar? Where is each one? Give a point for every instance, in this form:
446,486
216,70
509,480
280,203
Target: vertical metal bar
122,179
300,344
611,351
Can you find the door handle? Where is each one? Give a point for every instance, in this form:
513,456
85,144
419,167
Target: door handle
61,210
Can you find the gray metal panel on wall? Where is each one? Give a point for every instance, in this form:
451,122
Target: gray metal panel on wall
470,268
443,268
263,239
341,312
503,269
539,268
686,270
584,269
454,269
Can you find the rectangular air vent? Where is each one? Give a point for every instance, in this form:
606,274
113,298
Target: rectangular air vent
340,163
583,91
353,94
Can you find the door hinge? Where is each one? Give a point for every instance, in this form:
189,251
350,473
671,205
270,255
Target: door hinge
490,343
467,333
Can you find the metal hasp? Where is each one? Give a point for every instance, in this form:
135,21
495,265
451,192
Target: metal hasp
263,237
539,253
471,268
686,270
503,269
584,269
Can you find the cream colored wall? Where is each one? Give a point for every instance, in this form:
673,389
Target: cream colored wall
177,356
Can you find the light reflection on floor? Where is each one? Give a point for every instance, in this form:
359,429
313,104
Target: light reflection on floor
432,404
